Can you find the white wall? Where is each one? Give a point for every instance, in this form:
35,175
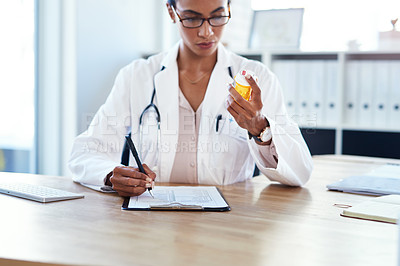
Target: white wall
237,31
48,95
81,46
110,34
331,25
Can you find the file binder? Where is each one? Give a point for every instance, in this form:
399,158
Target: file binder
380,95
394,95
351,93
286,72
306,118
317,88
365,86
331,106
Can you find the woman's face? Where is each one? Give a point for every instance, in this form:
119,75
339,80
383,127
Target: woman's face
201,41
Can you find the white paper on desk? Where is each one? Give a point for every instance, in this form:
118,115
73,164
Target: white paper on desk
387,170
383,180
104,189
207,197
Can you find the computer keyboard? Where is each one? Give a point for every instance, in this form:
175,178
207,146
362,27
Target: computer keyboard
37,192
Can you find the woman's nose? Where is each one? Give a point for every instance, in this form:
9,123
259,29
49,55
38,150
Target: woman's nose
205,30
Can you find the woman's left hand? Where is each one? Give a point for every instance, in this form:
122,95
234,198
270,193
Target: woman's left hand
247,113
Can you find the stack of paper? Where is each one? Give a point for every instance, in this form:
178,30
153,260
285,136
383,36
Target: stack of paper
383,180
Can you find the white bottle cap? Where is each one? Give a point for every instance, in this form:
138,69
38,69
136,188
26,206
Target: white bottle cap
241,77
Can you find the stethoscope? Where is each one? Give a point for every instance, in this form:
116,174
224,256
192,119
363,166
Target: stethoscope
152,107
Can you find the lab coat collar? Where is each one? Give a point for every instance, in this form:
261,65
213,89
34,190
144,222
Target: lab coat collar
217,91
166,83
223,57
169,60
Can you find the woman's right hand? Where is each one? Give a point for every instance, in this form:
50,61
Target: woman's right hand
129,182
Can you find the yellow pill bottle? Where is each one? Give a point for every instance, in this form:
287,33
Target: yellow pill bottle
241,84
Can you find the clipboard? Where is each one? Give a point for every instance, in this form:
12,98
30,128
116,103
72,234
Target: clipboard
179,198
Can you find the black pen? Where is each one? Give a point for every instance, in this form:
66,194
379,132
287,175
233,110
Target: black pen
136,156
219,117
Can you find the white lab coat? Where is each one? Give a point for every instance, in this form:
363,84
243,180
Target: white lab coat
224,157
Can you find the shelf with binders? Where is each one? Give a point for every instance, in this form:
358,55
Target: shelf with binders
312,95
336,95
372,91
310,87
371,104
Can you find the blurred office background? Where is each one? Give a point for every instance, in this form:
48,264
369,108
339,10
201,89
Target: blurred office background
59,59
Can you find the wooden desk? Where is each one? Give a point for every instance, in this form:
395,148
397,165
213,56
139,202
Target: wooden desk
269,224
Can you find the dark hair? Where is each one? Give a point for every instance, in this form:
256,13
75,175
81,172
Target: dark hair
173,2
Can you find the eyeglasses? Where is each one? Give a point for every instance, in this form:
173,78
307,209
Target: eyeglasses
194,22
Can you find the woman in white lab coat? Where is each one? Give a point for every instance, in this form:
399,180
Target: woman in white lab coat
208,134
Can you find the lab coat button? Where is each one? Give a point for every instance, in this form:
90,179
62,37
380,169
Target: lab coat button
192,164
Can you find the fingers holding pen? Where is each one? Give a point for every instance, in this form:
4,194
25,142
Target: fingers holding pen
129,191
148,171
151,175
131,172
128,181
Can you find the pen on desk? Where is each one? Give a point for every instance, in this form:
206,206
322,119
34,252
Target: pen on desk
136,156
